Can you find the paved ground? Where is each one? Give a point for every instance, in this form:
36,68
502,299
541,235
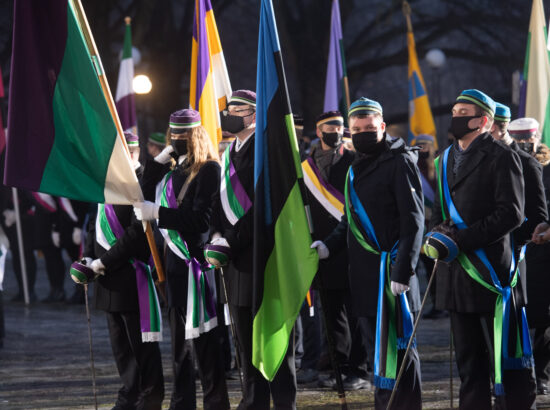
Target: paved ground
45,360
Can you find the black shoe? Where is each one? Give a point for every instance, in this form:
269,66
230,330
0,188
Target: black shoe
435,314
355,383
542,388
304,376
55,295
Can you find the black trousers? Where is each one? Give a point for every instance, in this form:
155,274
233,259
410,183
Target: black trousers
472,337
256,388
409,391
337,324
55,266
541,353
308,335
30,260
210,362
139,364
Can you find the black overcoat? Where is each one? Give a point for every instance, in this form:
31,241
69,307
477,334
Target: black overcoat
332,273
488,192
389,188
191,219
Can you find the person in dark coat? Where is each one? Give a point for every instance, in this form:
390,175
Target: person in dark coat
138,361
525,133
67,234
183,207
47,213
485,184
384,223
234,230
535,198
325,171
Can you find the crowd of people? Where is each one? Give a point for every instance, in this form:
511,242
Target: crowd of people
475,215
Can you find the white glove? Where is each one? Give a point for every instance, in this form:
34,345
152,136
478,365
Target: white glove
321,248
398,288
220,242
77,236
9,217
146,211
86,261
56,239
98,267
164,157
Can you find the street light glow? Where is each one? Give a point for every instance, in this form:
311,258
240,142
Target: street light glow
142,84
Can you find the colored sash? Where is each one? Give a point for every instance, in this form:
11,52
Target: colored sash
235,200
506,312
108,231
45,201
394,322
328,196
201,292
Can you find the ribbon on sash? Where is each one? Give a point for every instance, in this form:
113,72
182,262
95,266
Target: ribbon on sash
234,199
506,312
328,196
201,292
394,322
108,231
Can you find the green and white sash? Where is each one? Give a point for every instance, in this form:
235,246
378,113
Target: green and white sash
108,231
201,292
234,199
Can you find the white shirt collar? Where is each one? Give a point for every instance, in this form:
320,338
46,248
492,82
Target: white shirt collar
239,144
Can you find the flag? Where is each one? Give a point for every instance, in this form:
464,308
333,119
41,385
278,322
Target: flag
62,139
421,120
125,97
210,87
284,264
336,85
2,133
536,73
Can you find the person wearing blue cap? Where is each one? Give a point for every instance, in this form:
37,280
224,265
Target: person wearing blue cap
383,222
480,202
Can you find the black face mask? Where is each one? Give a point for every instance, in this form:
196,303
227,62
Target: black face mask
366,142
332,139
528,147
459,126
180,146
233,123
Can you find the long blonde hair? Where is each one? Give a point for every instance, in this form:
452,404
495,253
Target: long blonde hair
200,150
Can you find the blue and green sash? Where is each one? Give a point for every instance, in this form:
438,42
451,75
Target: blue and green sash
108,231
394,322
234,199
506,325
201,291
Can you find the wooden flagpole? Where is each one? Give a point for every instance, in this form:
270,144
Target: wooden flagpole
92,48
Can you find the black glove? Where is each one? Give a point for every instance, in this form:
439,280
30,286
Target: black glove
440,243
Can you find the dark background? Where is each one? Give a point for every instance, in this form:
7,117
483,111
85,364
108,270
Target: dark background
484,42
